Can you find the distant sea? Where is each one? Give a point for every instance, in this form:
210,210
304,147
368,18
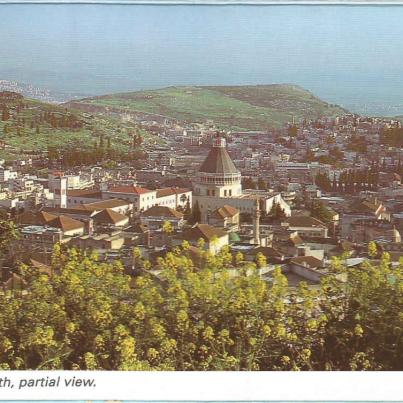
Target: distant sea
352,56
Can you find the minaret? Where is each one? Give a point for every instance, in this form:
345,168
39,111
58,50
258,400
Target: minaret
256,223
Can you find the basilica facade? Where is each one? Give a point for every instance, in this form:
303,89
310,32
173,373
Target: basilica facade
218,183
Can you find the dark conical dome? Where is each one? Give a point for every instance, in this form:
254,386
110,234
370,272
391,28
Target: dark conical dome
218,160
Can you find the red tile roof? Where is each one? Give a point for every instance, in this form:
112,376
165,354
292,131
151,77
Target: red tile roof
129,189
305,221
30,218
65,223
205,231
88,193
171,191
109,216
162,211
224,212
104,204
310,261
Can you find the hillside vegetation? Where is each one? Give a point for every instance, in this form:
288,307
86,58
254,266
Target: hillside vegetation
30,127
237,107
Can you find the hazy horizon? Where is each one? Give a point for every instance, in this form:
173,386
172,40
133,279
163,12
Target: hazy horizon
343,54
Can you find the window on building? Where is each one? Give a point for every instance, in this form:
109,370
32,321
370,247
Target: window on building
225,192
230,192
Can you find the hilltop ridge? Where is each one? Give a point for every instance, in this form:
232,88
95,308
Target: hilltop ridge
245,107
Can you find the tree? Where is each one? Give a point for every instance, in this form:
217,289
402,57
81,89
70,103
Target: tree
183,198
196,213
260,260
248,183
323,182
239,258
363,330
167,228
91,315
277,212
319,211
136,257
8,233
372,249
187,212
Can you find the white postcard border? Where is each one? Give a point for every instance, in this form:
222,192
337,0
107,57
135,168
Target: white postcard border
212,386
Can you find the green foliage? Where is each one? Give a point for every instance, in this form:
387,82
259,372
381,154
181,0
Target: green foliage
90,315
260,260
8,232
248,183
76,136
320,211
372,249
239,107
354,180
167,227
195,216
277,212
323,182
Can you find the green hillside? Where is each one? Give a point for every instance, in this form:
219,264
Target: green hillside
237,107
29,127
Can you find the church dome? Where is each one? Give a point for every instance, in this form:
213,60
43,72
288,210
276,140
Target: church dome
218,160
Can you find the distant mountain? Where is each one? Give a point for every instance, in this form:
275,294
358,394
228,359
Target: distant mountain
237,107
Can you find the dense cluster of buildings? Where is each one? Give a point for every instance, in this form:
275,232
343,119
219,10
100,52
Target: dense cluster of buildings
253,191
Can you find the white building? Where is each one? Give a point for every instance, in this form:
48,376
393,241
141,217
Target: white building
174,197
7,174
141,198
76,197
20,185
58,186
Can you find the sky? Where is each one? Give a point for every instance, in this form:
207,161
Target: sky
344,54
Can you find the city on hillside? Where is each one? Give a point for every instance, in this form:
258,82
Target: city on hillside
292,197
200,188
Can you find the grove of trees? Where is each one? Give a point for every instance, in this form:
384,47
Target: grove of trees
349,181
